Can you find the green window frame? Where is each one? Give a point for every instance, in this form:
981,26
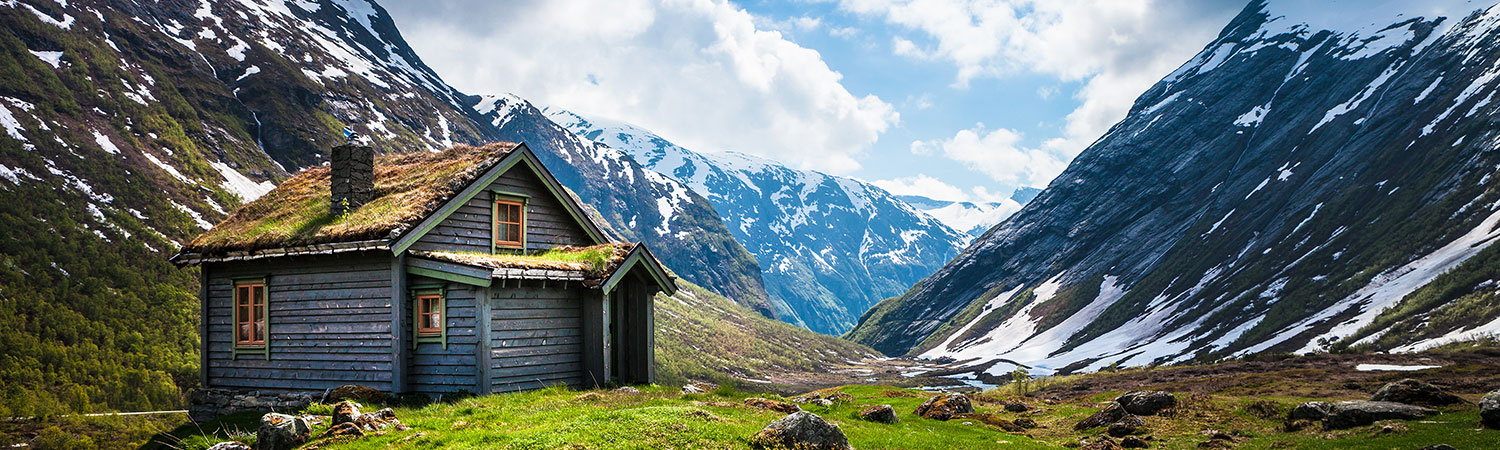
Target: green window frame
250,306
428,335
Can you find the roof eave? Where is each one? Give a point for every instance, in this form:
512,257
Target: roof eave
188,258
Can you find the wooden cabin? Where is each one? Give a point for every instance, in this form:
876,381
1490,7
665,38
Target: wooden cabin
466,270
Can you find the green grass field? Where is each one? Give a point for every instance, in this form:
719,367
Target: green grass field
661,418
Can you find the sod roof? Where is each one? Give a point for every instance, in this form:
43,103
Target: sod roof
408,188
593,261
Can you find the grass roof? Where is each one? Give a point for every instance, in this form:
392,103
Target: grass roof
595,260
408,187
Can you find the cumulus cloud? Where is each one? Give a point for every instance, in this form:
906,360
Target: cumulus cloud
933,188
999,154
700,72
1116,48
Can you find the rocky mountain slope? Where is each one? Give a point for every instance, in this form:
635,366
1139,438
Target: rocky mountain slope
829,247
1318,176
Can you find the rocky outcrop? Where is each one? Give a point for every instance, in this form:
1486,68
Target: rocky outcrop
1015,406
1146,403
1129,425
1110,414
1415,392
1360,413
802,431
281,432
345,411
879,414
1134,442
354,392
1489,410
1309,411
772,405
945,406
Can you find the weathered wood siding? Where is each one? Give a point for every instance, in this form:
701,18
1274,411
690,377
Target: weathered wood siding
536,337
329,322
437,370
469,228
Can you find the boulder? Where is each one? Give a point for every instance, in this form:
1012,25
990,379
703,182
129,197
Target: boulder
1131,424
1103,443
1360,413
692,389
1026,422
627,390
231,445
801,430
344,429
1016,406
879,414
1134,442
945,406
1110,414
1146,403
379,420
353,392
1489,410
345,412
826,403
281,432
772,405
1415,392
1309,411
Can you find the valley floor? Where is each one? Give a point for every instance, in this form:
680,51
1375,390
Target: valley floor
1245,402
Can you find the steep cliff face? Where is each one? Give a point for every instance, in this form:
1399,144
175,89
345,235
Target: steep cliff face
1303,173
829,247
681,227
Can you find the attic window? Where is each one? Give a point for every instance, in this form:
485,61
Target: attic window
510,223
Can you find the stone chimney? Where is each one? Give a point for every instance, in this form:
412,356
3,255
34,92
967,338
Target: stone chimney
353,177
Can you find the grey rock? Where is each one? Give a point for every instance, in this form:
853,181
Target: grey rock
281,432
627,390
344,412
1309,411
1110,414
692,389
945,406
801,430
1489,410
1134,442
1415,392
1146,403
1360,413
1129,425
879,414
231,445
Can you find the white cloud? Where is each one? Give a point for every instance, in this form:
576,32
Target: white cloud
923,185
843,32
1000,155
700,72
1117,48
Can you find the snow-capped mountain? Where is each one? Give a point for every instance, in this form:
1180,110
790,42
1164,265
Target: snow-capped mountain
640,204
829,247
1318,176
972,218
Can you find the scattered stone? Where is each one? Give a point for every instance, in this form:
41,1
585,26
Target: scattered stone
588,397
1146,403
1415,392
1309,411
231,445
1394,428
1015,406
344,429
1103,443
692,389
1489,410
826,403
991,420
801,430
1026,422
1110,414
354,392
945,406
1131,424
281,432
379,420
1215,444
879,414
627,390
1360,413
345,412
1134,442
773,405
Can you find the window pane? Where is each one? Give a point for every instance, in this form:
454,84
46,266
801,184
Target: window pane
260,332
434,320
242,295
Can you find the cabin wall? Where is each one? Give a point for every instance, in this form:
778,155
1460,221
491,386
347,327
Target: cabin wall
469,229
536,335
328,321
433,369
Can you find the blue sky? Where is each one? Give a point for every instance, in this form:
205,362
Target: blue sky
953,99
